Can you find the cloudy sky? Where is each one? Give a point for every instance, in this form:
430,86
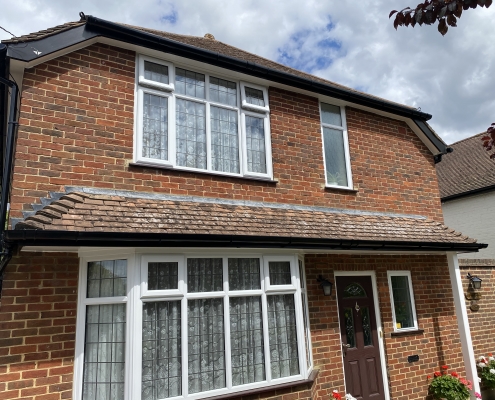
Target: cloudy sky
347,41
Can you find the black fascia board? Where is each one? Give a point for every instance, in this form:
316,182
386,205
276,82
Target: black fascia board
4,102
441,146
468,193
95,27
135,239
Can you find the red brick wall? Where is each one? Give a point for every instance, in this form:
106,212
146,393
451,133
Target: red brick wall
437,346
76,128
37,326
481,321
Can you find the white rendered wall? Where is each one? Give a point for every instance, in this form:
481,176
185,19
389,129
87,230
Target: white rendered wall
474,216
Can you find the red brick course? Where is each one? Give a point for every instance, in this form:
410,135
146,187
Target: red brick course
76,128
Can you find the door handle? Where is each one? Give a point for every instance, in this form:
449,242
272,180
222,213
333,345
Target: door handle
344,348
346,345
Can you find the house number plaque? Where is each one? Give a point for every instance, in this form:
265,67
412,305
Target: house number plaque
413,358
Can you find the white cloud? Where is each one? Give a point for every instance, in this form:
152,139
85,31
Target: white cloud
352,43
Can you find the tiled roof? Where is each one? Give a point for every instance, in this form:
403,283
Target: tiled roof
87,212
467,168
206,44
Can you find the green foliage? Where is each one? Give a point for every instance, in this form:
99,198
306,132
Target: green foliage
486,371
449,386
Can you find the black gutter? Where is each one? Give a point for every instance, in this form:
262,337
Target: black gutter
121,239
148,40
8,161
4,71
468,193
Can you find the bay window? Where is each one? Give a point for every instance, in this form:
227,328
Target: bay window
164,326
196,121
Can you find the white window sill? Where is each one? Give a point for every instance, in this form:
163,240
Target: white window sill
199,171
344,188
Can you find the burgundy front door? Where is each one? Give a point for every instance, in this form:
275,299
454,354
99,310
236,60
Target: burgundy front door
360,348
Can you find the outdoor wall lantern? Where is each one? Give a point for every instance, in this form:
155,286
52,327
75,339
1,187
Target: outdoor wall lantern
475,281
325,285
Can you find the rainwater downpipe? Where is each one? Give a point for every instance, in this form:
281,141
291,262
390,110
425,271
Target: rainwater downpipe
6,249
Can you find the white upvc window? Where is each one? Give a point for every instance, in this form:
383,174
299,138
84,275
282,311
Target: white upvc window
195,121
335,146
402,301
186,326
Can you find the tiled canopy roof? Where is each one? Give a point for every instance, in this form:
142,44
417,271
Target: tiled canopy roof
467,168
86,212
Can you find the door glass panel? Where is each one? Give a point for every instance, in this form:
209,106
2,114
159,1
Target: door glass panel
349,327
368,339
354,290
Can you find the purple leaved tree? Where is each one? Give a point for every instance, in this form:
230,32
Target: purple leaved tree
489,140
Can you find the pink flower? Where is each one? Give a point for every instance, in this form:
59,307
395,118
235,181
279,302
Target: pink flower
478,396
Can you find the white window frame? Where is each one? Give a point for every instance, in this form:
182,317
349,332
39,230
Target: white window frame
138,293
345,137
159,89
411,296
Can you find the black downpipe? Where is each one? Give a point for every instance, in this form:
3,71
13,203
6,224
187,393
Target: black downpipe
8,159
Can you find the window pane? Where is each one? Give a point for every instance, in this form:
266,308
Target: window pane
155,127
282,335
191,134
189,83
244,273
246,337
162,372
335,157
162,275
402,302
331,114
301,274
224,140
156,72
280,273
307,332
254,96
206,345
367,336
204,275
104,352
107,278
349,327
223,91
255,142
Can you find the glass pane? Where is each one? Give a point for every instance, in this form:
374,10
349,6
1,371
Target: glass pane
204,275
162,275
354,290
402,302
349,327
155,127
279,273
104,352
301,274
162,372
224,140
244,273
246,337
255,142
189,83
223,91
331,114
335,157
254,96
156,72
191,134
307,332
282,335
205,345
107,278
365,314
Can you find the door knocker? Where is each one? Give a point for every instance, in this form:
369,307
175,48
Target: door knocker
357,307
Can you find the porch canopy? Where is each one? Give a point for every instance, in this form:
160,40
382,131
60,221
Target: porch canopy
97,217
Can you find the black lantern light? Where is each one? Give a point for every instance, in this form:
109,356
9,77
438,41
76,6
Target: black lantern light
325,285
475,281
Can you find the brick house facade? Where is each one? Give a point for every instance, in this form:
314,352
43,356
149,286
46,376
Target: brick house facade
80,196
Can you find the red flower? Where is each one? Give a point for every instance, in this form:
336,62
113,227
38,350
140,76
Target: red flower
490,354
445,367
454,374
428,377
437,373
336,395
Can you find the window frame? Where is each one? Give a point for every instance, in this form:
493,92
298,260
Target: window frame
345,138
138,294
390,274
143,85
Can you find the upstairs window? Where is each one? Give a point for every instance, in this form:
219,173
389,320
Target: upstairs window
191,120
335,146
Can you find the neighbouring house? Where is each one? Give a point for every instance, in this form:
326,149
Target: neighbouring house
466,180
189,220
